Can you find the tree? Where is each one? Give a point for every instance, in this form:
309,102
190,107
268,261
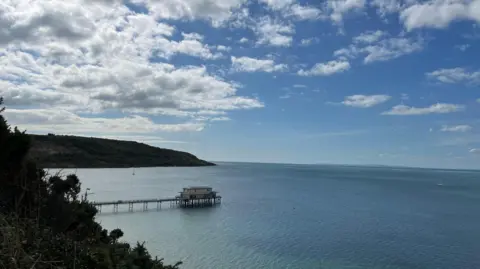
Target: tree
44,225
115,234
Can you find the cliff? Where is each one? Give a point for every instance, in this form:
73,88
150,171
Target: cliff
58,151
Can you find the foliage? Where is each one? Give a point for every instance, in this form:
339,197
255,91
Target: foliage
60,151
43,224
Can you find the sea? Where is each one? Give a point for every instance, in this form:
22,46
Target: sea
300,216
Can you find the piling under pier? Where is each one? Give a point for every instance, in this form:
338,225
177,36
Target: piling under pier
173,202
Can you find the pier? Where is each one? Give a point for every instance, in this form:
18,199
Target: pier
188,198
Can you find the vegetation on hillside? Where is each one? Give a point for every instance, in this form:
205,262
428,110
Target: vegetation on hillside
44,223
59,151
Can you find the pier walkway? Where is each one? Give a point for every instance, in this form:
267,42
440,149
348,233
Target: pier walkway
173,202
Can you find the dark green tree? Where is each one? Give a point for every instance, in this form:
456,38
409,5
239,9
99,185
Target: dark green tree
44,224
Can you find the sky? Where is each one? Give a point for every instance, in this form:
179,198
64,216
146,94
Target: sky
338,81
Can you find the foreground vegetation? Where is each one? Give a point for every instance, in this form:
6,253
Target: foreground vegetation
44,223
60,151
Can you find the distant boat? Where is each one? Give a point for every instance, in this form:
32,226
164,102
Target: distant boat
133,173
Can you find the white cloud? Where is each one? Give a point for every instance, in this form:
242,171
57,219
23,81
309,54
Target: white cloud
243,40
309,41
220,119
192,36
274,33
304,12
147,139
62,121
385,7
351,52
439,13
475,151
278,4
326,69
217,12
247,64
291,9
462,47
223,48
391,48
456,128
339,8
454,75
191,47
383,50
439,108
369,37
299,86
365,101
35,21
84,56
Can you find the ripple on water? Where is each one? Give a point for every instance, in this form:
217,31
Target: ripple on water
275,216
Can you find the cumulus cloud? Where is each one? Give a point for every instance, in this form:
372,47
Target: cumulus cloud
84,56
391,49
454,75
223,48
338,8
247,64
385,7
369,37
192,47
216,12
192,36
309,41
48,120
377,49
220,119
304,12
35,21
439,13
277,4
456,128
291,9
274,33
439,108
364,101
326,69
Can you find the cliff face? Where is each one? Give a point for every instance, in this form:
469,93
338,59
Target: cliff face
58,151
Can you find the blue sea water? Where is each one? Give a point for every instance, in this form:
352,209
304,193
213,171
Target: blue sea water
301,216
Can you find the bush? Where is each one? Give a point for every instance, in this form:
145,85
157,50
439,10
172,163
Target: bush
43,224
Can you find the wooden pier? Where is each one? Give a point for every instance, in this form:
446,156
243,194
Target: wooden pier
173,202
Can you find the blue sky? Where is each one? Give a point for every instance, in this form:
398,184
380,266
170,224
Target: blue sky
337,81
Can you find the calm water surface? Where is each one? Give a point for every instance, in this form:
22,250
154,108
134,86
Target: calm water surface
302,216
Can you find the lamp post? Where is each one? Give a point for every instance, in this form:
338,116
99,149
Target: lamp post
86,194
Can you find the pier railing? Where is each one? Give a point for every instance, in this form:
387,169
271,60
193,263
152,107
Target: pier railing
173,202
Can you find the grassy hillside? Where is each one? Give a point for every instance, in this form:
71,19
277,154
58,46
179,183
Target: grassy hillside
58,151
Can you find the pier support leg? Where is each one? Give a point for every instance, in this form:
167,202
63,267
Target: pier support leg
130,207
159,205
115,208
